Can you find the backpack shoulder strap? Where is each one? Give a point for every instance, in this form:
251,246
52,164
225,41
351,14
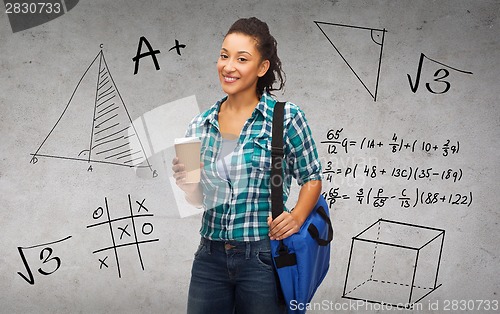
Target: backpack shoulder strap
277,155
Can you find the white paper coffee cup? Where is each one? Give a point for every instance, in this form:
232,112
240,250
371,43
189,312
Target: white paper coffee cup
187,149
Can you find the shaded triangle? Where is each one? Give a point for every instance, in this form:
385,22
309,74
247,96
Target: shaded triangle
113,135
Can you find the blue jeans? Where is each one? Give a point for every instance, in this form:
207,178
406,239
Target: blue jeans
233,277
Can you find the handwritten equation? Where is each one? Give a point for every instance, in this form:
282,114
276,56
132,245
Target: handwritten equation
337,142
408,173
378,197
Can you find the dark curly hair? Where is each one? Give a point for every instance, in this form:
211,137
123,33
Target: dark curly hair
268,49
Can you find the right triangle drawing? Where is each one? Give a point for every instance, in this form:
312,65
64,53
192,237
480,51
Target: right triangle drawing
360,48
95,125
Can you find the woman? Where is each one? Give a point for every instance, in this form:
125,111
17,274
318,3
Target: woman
232,270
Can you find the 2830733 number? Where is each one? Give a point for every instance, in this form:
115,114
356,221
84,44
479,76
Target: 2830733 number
33,8
470,305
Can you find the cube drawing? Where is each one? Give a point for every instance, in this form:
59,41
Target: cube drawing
394,263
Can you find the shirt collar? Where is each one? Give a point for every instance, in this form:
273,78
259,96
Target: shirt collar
266,102
264,107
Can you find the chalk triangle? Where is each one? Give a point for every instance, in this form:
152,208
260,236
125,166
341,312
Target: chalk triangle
95,125
361,50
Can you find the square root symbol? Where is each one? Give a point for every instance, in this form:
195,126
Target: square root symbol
394,263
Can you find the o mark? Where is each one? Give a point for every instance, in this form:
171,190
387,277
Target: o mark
97,213
149,229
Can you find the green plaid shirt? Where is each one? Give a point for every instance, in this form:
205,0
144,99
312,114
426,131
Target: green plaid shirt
238,209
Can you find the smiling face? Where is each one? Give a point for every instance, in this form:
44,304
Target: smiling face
240,65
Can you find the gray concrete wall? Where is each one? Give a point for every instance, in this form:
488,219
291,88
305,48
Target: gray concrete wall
430,149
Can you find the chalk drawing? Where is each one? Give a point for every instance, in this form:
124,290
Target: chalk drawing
360,48
402,265
123,231
95,125
50,262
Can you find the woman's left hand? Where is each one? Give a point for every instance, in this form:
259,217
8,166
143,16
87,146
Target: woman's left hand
283,226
